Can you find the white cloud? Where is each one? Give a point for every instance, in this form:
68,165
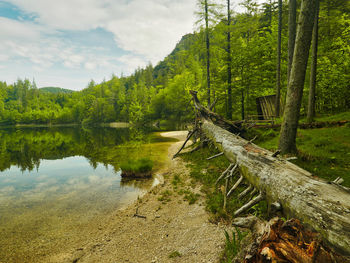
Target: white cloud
131,62
143,30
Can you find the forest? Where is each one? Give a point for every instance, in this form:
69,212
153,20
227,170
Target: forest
243,45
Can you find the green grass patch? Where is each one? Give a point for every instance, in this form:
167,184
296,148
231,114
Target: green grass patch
142,165
343,116
232,245
175,254
165,196
324,152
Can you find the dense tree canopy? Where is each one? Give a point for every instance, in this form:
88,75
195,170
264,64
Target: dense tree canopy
161,92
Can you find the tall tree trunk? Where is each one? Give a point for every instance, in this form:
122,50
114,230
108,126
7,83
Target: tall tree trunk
229,61
313,69
297,77
242,105
208,51
292,26
278,71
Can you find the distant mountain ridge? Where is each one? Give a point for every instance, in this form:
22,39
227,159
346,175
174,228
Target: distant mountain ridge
55,90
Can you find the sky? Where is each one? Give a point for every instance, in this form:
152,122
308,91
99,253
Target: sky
67,43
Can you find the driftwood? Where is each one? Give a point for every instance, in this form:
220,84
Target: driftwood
321,205
189,135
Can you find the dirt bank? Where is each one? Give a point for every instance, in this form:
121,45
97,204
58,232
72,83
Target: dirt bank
167,228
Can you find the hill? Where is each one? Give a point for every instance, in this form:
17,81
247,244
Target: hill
55,90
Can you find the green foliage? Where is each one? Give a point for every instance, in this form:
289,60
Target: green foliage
55,90
232,245
137,166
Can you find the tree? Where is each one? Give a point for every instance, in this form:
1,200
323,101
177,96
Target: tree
297,77
313,68
229,62
292,26
278,71
207,48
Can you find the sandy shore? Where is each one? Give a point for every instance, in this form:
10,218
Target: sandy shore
166,225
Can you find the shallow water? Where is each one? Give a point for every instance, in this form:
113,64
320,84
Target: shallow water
55,183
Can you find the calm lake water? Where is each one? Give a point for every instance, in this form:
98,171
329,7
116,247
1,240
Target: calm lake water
55,182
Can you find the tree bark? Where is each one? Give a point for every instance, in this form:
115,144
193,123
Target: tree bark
278,71
313,68
297,77
229,62
207,49
292,26
322,206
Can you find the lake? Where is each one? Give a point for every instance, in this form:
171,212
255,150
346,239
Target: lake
57,182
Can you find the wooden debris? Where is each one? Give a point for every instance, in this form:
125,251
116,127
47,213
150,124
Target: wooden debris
290,242
240,179
229,168
187,139
214,156
137,214
248,205
276,153
245,192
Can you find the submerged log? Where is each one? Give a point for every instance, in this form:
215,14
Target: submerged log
323,206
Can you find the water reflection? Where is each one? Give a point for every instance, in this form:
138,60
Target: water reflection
26,147
54,182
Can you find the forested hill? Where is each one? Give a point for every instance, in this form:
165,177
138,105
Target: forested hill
55,90
161,92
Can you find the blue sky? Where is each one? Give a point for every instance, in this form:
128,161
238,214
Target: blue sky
67,43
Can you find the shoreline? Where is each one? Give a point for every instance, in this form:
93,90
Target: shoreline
157,225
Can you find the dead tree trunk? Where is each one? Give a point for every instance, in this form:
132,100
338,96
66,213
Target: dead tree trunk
323,206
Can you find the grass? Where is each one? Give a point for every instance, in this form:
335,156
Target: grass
142,165
165,196
330,117
232,245
324,152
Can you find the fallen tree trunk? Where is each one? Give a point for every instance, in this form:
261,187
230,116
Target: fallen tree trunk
323,206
